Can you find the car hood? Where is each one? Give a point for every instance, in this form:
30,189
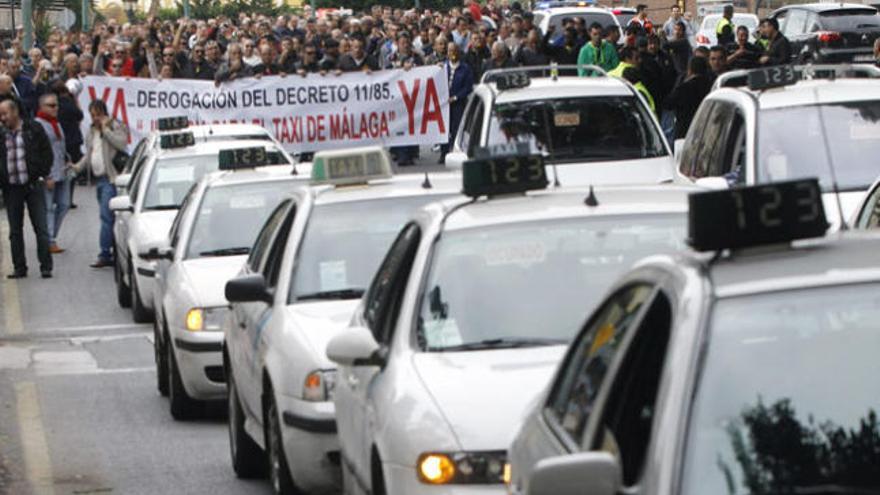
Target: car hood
484,394
153,226
641,171
318,322
208,276
850,201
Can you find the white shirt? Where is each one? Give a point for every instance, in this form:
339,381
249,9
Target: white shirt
99,168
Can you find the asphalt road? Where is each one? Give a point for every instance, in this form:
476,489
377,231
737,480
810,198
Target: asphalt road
79,409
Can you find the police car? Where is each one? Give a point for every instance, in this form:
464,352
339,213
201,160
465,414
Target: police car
144,215
551,14
468,316
307,270
207,244
746,366
172,125
591,130
867,216
789,122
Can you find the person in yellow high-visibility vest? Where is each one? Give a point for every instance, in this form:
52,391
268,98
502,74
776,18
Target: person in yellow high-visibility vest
629,57
724,30
634,76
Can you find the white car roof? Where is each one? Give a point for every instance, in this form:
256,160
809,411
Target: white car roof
213,147
564,87
824,90
553,11
398,186
569,203
220,131
259,174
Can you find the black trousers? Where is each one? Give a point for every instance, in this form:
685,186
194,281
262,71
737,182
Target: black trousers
17,197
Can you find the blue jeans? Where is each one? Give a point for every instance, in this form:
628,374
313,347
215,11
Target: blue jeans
667,122
57,206
106,191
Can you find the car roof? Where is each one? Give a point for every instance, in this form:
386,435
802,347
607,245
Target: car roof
253,175
567,203
553,11
402,185
809,92
221,130
563,87
202,148
826,7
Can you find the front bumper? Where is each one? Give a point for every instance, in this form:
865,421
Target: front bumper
200,361
310,444
845,55
403,479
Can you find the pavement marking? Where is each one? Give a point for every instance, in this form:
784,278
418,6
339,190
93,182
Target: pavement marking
12,312
33,439
94,371
94,328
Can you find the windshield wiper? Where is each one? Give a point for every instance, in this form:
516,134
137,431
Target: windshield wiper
503,343
162,207
333,294
233,251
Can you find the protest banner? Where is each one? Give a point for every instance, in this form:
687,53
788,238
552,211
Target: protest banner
391,108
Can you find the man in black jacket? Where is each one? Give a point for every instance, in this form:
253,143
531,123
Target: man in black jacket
25,160
358,59
779,50
685,99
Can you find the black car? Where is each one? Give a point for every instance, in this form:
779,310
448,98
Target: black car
830,33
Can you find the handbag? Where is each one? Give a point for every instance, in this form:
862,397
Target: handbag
120,161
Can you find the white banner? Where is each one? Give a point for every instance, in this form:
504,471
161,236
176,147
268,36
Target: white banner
391,107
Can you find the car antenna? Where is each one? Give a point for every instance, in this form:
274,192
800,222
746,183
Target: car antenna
834,185
427,183
591,200
550,149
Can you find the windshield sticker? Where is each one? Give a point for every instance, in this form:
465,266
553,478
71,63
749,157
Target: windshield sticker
333,275
519,253
175,174
864,131
567,119
246,202
442,333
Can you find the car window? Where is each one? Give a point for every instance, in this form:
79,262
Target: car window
869,218
628,414
174,233
850,19
475,131
386,291
796,23
732,157
136,182
272,267
605,20
717,127
467,121
572,399
135,156
694,139
261,245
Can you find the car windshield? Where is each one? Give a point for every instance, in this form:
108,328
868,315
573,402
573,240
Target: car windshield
344,244
230,217
172,178
568,130
604,20
788,397
748,21
531,282
850,19
791,144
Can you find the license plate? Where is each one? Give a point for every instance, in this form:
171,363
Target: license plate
863,58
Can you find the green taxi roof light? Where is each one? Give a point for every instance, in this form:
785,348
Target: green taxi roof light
239,158
172,123
491,175
759,215
772,77
176,140
351,166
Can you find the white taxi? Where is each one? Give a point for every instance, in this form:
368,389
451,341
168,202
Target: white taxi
306,272
590,130
469,315
748,366
207,245
785,123
145,214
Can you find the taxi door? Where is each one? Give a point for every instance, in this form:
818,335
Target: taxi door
165,266
356,416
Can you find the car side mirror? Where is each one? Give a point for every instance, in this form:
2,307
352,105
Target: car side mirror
248,288
157,253
455,159
122,181
356,346
121,203
715,183
596,473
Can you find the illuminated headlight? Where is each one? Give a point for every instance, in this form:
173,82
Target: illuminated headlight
205,319
462,468
319,386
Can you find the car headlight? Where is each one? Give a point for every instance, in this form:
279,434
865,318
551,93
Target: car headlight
319,386
205,319
476,468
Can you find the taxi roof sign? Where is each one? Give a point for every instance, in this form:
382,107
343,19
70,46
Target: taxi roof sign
351,166
772,77
176,140
757,215
172,123
238,158
490,175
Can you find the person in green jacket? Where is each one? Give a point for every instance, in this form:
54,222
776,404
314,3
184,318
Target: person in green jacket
634,77
597,52
629,57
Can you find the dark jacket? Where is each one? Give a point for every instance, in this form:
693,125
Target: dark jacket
266,70
347,63
27,91
680,52
70,117
225,72
779,50
685,99
38,152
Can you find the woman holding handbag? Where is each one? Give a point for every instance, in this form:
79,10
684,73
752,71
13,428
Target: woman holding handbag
105,156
